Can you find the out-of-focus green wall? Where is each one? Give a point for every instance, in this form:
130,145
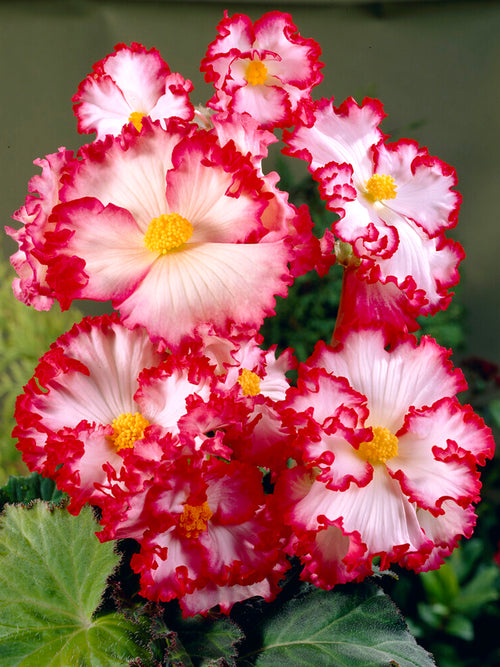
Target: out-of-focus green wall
435,65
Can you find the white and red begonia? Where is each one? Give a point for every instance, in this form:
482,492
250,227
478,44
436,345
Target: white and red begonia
211,537
394,202
31,286
128,85
387,458
266,69
171,226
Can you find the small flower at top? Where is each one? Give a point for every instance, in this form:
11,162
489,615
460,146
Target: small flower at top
266,68
128,85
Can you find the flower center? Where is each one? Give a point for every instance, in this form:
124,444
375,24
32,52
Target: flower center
250,382
136,118
127,428
256,73
381,186
167,232
194,519
381,448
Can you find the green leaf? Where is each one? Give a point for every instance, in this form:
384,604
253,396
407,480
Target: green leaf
209,642
25,489
53,572
355,625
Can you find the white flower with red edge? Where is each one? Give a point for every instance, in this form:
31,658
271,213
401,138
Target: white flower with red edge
266,68
394,203
128,85
387,458
170,226
211,537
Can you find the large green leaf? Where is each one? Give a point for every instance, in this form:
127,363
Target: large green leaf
53,572
354,625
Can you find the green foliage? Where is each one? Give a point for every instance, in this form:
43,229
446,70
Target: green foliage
354,624
25,335
26,489
53,572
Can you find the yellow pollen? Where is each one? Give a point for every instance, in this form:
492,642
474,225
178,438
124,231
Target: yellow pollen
168,232
256,73
136,118
381,186
194,519
381,448
250,382
127,428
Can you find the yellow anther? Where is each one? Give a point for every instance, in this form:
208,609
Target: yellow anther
381,186
136,118
167,232
194,519
250,382
256,73
127,428
381,448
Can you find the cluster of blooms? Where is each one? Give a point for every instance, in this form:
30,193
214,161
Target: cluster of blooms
168,414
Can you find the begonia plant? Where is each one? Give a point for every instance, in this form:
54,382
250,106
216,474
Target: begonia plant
219,468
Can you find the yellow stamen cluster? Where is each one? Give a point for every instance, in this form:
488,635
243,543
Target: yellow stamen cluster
381,186
168,232
127,428
250,382
256,73
136,118
381,448
194,519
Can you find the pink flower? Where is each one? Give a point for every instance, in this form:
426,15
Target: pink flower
265,69
125,87
394,201
31,286
211,537
387,458
182,234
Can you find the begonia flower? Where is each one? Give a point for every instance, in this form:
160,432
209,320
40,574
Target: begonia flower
171,227
266,68
31,286
211,538
387,458
128,85
394,202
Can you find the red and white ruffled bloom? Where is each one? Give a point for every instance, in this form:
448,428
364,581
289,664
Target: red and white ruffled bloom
387,458
171,227
264,68
31,286
128,85
394,201
211,538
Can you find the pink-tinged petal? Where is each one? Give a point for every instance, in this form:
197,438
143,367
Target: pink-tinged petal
249,137
128,171
115,259
445,531
276,32
235,34
175,99
101,107
392,381
343,135
202,188
424,185
430,465
201,600
365,304
208,282
31,286
269,104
